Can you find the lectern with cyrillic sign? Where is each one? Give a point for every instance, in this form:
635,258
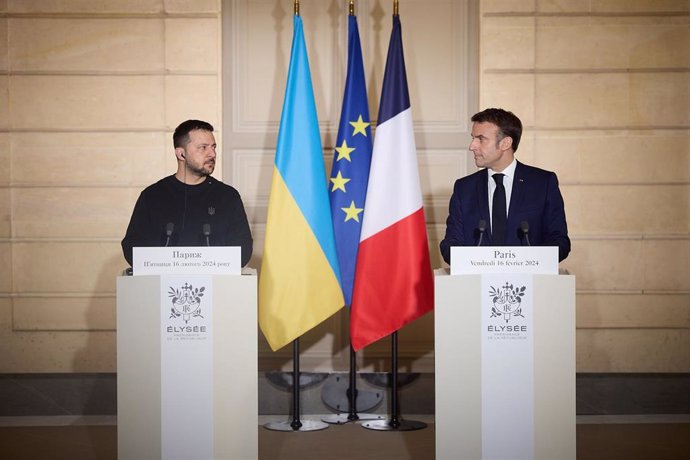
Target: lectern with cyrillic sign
187,356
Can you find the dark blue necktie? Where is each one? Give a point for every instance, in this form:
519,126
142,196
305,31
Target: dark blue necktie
498,212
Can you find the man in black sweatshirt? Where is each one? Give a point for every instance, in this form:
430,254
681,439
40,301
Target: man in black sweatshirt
190,208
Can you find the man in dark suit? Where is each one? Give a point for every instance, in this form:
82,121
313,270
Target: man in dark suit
528,208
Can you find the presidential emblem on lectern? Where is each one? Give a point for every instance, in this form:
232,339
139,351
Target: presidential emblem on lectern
506,301
186,302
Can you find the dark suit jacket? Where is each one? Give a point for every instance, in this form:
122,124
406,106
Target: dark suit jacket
535,198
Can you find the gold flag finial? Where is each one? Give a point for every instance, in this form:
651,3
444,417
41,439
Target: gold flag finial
352,8
395,8
296,7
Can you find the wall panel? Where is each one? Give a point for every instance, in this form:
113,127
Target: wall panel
69,212
59,267
617,209
4,102
514,36
115,159
3,42
90,93
5,165
86,103
635,310
5,267
621,42
199,101
78,45
510,89
632,350
606,100
196,7
64,314
616,157
192,44
85,6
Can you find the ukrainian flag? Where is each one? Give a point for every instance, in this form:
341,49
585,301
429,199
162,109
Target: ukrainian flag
299,282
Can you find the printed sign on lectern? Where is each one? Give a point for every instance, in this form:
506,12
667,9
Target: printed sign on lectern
507,341
186,341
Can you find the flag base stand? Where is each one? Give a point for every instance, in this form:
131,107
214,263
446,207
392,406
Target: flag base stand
342,419
355,399
296,424
394,423
302,425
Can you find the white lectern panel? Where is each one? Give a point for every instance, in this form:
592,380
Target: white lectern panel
458,358
235,367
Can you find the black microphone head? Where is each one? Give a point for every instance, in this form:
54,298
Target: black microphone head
207,229
524,225
169,228
482,230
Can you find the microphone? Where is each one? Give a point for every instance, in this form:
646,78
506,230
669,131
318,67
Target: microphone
482,229
207,233
169,228
524,226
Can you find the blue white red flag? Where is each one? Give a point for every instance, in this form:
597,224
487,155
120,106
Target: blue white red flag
393,280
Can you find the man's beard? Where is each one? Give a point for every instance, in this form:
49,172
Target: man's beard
202,170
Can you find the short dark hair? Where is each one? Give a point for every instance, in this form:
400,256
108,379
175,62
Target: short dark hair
181,135
508,123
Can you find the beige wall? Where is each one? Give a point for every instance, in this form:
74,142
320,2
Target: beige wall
90,91
603,88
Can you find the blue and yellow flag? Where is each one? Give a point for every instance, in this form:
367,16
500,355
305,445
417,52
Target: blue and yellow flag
299,282
351,160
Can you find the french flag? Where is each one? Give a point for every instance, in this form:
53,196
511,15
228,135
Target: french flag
393,280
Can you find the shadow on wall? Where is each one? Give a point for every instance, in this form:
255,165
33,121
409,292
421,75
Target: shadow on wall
96,362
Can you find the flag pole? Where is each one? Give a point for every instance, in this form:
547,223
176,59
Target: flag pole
395,423
296,424
367,399
334,393
352,415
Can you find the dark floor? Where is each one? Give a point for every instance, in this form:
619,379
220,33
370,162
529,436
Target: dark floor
620,416
96,394
656,441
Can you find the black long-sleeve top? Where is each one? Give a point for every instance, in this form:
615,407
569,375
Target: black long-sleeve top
188,208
